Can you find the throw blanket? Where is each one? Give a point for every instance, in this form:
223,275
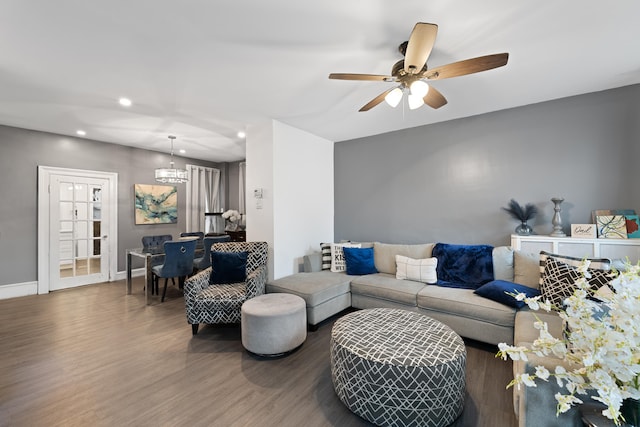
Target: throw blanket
462,266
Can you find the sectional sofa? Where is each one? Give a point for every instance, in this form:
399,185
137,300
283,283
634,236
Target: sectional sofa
472,316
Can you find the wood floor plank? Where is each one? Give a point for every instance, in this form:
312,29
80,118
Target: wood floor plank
95,356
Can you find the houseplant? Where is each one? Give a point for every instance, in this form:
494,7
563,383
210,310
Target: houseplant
232,219
601,339
522,214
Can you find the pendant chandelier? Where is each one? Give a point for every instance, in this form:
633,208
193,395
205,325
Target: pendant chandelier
171,175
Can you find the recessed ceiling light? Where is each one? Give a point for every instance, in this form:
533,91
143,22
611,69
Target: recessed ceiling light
81,132
182,151
241,134
125,102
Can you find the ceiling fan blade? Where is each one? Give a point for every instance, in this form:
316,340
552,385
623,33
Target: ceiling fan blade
375,101
468,66
373,77
434,98
419,47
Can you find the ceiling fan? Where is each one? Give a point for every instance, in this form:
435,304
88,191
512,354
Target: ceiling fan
411,72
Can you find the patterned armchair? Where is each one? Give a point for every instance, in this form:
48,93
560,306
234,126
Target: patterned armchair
211,304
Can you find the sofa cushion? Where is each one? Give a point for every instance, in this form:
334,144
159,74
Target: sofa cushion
526,269
464,266
503,263
558,281
464,303
387,287
337,256
597,263
228,267
384,254
419,270
325,251
314,288
498,290
359,261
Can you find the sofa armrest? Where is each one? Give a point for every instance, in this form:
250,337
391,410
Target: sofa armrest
313,262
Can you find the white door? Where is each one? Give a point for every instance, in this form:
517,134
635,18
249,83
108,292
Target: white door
78,237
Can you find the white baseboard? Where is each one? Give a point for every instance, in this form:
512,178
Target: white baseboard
31,288
18,290
136,272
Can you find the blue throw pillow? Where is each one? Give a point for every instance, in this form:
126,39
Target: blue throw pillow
496,289
228,267
359,261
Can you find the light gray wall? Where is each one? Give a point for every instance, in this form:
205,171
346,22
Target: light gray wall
234,192
22,151
446,182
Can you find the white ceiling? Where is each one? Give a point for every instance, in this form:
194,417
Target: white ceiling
203,69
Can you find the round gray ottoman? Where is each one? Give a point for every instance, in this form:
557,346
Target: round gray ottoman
273,324
398,368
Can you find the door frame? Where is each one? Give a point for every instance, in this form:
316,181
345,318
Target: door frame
44,181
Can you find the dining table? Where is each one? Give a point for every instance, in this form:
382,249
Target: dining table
152,255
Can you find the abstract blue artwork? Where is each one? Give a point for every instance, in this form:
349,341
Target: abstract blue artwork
156,204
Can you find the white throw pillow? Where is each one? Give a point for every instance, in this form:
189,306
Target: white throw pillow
338,263
419,270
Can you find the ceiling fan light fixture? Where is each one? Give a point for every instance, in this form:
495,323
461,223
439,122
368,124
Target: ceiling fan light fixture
394,97
419,88
415,101
171,175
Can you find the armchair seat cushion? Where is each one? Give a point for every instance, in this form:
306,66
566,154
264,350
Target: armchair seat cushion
224,292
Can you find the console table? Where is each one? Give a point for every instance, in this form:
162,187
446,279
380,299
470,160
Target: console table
578,247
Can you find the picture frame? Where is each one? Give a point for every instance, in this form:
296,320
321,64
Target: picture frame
583,231
155,204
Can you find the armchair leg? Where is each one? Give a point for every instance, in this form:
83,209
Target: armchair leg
194,328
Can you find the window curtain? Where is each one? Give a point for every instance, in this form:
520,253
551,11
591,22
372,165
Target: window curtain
203,195
241,187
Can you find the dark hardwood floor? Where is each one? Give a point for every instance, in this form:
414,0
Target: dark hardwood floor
93,356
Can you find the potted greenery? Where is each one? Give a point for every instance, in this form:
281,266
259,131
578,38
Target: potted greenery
522,214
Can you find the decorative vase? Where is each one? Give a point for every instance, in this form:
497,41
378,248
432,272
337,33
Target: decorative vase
524,229
557,219
630,410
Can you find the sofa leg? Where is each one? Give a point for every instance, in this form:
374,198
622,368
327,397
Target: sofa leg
312,328
194,328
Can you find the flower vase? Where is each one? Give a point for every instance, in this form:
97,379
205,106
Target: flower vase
630,410
524,229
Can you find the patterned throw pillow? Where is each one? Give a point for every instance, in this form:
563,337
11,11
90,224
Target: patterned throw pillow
597,263
338,263
325,250
558,280
419,270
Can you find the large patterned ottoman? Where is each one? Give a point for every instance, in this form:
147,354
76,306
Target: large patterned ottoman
398,368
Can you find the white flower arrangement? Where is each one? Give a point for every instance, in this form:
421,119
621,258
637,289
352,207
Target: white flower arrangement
232,215
602,340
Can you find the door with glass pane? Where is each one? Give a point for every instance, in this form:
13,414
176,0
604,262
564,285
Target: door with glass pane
79,252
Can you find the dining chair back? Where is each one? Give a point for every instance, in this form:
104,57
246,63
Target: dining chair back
198,234
205,260
155,242
178,262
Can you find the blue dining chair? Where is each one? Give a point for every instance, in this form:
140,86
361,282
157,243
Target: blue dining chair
154,243
204,261
198,234
178,262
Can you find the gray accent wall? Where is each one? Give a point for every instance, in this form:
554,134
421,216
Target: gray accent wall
22,151
446,182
